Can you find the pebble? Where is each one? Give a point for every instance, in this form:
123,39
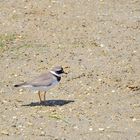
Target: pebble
21,90
20,93
14,11
75,127
108,127
102,45
4,101
20,126
19,36
2,91
99,79
14,117
4,132
15,75
90,129
29,123
134,119
136,105
113,91
101,129
42,133
109,136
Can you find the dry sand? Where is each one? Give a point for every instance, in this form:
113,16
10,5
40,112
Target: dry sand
98,41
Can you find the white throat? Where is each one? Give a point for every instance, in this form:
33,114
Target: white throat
55,73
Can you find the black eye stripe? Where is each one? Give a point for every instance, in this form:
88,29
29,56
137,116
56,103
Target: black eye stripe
60,71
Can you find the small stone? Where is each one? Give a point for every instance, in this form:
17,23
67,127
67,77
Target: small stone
20,93
109,136
90,129
19,126
136,105
14,117
42,133
4,101
113,91
108,127
15,75
19,36
101,129
21,90
14,11
102,45
134,119
29,124
75,127
88,89
4,132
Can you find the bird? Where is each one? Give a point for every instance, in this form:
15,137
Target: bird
44,82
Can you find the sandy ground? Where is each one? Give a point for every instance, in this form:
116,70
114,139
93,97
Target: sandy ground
97,41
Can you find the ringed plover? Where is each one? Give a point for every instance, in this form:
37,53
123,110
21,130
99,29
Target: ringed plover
44,82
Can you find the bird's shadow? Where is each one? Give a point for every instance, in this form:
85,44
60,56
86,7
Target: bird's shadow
50,103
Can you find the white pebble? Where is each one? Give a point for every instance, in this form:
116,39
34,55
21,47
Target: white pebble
101,45
75,127
14,11
90,129
21,90
14,117
99,79
101,129
4,101
20,126
15,75
134,119
113,91
42,133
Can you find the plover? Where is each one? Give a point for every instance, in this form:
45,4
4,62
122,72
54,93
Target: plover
44,82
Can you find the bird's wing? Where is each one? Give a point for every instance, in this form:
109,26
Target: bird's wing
42,80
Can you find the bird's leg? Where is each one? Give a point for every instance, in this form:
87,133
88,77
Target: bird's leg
39,94
44,96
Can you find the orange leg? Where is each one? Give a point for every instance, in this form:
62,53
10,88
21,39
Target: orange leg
44,96
39,94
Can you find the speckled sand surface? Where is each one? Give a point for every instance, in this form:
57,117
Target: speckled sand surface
98,43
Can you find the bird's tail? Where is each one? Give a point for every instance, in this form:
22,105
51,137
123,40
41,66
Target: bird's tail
19,85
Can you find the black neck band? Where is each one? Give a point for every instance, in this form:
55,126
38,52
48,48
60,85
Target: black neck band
58,77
